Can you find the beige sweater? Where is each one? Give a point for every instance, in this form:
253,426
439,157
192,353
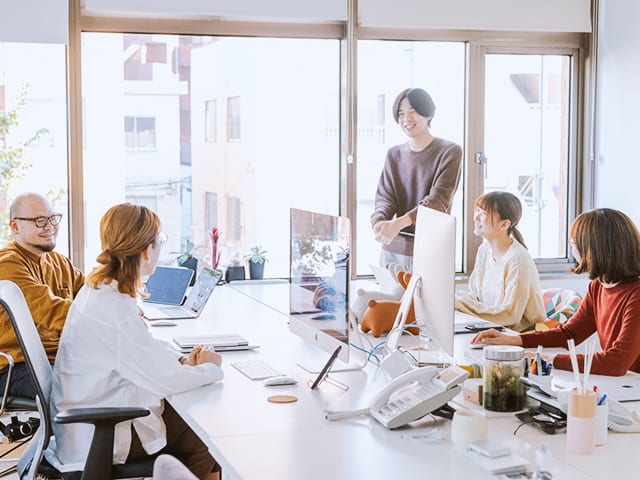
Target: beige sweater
506,291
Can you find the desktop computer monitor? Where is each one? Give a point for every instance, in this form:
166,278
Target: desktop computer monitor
432,286
319,280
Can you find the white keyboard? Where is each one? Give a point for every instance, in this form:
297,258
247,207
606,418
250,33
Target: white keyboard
256,369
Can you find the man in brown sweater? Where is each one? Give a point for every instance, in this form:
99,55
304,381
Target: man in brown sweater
423,171
47,279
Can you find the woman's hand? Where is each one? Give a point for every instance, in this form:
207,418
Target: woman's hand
201,354
494,337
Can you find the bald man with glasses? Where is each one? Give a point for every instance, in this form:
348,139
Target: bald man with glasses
48,280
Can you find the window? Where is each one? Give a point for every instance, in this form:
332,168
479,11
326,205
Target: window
239,186
526,142
33,129
211,201
210,124
233,118
140,132
439,68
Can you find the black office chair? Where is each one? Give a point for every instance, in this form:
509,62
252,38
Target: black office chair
11,405
99,461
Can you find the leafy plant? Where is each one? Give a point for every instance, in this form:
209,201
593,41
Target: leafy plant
188,252
257,255
236,262
12,165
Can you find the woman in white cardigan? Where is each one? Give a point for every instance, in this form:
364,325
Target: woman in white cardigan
504,287
107,357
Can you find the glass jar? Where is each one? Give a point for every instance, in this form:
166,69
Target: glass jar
503,367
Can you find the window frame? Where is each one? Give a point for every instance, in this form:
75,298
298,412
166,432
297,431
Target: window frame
541,42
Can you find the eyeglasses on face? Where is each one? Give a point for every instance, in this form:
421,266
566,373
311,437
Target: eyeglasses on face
161,239
42,222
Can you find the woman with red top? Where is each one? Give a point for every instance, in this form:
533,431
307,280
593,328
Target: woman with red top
606,244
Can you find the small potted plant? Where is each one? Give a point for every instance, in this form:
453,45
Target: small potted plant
235,271
188,259
257,258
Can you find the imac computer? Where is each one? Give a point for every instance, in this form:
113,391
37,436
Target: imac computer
319,280
432,286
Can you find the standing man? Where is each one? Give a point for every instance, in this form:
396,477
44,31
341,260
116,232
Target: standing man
423,171
47,279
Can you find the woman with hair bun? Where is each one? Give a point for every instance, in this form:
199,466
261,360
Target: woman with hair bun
107,357
504,287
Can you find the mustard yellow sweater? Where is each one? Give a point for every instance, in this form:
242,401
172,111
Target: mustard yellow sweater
49,284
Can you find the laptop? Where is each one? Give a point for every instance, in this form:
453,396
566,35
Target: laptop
388,283
220,342
168,285
193,305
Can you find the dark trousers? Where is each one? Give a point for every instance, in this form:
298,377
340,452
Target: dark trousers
182,443
21,384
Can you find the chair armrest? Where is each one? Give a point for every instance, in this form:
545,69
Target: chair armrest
100,414
5,395
100,458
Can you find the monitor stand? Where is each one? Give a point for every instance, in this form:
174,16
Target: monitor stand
339,365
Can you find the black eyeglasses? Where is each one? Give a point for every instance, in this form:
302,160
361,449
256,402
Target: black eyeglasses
42,222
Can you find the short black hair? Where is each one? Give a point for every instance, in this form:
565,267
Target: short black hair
419,100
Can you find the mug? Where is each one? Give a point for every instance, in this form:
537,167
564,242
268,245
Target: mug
468,426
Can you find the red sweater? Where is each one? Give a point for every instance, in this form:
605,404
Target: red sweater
612,312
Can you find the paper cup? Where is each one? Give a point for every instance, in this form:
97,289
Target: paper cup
468,426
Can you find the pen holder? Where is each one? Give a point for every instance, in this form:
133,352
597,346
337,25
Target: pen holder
581,422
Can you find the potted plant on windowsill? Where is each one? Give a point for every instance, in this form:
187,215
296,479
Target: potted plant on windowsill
235,271
188,259
256,258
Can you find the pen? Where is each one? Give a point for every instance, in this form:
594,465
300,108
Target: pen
539,370
602,399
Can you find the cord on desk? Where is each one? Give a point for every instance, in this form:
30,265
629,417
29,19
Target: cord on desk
370,353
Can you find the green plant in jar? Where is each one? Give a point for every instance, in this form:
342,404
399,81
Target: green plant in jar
503,390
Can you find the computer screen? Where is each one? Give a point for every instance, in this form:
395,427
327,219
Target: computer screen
432,285
434,262
319,280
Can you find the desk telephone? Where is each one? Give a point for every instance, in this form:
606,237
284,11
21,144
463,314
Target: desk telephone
415,394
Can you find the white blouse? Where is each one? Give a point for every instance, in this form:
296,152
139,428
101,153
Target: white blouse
108,358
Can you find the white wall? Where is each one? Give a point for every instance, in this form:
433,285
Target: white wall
618,117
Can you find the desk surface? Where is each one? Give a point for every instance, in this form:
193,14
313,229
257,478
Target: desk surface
255,439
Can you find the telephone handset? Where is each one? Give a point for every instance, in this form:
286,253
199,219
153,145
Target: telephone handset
622,419
415,394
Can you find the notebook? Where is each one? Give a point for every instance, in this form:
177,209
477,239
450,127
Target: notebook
168,285
193,305
219,342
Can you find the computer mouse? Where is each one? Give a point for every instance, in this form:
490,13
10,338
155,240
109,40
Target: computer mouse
279,381
163,323
476,346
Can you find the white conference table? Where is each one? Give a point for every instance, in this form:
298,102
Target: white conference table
252,438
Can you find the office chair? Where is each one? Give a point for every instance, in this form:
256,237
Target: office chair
11,405
99,461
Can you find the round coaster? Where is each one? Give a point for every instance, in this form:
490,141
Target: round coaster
282,399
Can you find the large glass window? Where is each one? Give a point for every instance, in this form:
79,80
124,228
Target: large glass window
33,129
526,142
278,101
385,68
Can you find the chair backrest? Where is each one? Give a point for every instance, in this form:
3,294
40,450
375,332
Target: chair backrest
13,302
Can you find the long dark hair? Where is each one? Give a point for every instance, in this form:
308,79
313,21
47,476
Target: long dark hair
507,206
